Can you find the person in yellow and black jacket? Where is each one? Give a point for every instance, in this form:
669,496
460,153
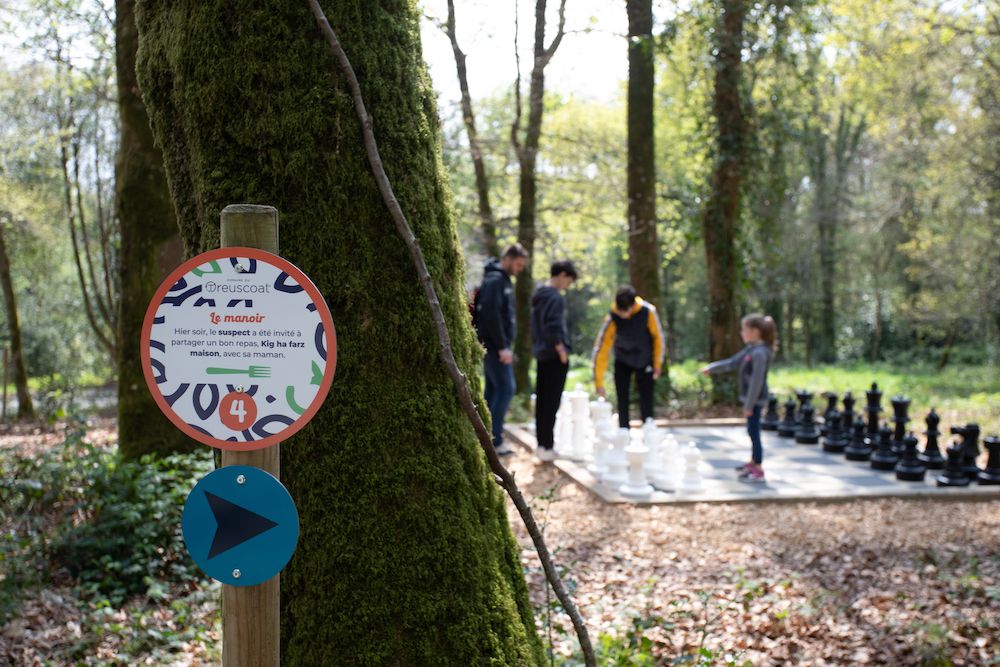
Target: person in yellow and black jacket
633,330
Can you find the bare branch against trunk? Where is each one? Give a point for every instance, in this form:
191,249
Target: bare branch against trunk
25,408
444,338
487,221
723,208
527,154
643,255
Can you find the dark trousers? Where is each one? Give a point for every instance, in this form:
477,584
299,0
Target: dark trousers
550,380
499,391
623,384
753,430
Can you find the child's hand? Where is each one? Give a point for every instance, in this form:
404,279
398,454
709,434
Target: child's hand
748,413
704,370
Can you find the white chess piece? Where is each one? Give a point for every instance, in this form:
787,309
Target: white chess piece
652,438
605,433
564,424
668,467
692,476
636,486
617,464
581,425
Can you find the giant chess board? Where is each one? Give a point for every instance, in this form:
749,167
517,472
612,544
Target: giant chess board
795,472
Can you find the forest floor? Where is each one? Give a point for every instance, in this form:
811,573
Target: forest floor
868,582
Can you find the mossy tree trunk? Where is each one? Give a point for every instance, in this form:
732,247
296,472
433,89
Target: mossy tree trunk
405,555
722,211
150,249
25,408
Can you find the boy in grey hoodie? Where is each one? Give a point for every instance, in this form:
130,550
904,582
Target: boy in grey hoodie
752,362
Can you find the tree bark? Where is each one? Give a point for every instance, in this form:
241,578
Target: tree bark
527,155
644,256
150,250
25,408
487,221
723,208
405,555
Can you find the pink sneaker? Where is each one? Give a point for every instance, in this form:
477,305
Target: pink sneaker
752,475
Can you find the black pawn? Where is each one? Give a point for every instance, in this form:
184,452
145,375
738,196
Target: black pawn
953,474
931,456
858,450
910,468
787,428
807,433
883,458
804,398
900,417
831,407
969,446
771,419
990,475
834,441
847,420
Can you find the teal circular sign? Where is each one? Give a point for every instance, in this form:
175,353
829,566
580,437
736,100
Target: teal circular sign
240,525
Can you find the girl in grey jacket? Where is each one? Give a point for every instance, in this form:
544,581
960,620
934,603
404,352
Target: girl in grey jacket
759,335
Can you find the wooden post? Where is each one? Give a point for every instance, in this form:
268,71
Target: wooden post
251,629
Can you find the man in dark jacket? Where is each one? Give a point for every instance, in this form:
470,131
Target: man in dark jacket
494,318
550,347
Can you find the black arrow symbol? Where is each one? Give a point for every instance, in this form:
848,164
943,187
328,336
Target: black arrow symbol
236,524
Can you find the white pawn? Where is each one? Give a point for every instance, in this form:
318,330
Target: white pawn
668,466
652,439
692,476
617,465
602,443
636,486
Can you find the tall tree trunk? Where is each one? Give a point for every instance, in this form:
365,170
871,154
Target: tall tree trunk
644,256
405,555
723,208
527,155
25,408
487,221
150,249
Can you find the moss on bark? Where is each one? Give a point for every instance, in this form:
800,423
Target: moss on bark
405,555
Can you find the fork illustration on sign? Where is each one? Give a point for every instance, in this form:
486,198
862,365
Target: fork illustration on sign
253,371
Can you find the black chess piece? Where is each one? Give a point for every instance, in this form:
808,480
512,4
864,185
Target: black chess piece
953,474
990,475
835,440
858,449
771,419
900,417
883,458
847,418
804,398
931,456
831,407
970,447
873,410
910,468
787,428
807,433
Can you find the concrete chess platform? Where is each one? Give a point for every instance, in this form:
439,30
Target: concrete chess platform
794,472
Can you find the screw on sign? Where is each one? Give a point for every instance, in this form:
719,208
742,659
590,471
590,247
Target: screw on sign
238,348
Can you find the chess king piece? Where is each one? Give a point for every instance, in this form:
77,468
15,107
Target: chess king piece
953,474
910,468
990,475
931,456
900,417
807,433
837,434
804,397
771,419
858,449
788,427
883,458
831,407
873,410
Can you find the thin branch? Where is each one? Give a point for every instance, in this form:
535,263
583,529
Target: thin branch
560,33
444,338
515,127
102,307
102,223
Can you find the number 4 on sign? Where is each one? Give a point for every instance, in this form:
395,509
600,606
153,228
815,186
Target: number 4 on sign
237,411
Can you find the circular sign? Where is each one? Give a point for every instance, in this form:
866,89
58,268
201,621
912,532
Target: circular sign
238,348
240,525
